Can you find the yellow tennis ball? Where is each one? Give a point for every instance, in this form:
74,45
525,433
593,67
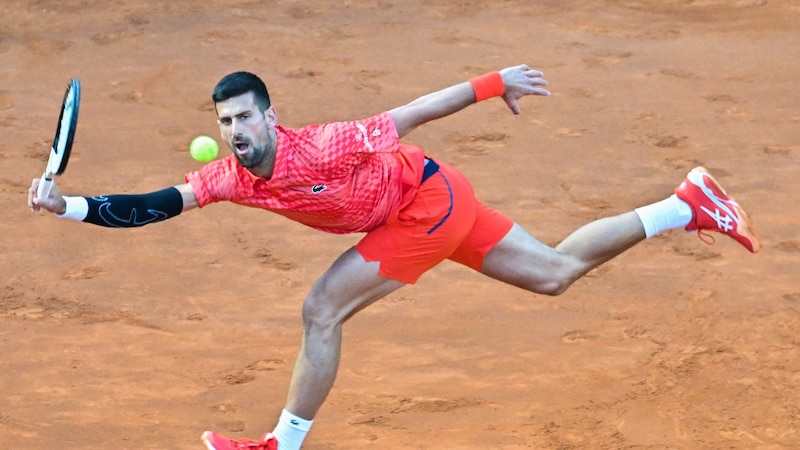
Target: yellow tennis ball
204,149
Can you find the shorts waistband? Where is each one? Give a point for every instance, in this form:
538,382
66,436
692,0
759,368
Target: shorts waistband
430,168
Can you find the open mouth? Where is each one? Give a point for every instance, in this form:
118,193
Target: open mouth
242,146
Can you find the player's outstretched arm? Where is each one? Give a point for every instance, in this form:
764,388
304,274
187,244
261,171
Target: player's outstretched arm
512,83
117,211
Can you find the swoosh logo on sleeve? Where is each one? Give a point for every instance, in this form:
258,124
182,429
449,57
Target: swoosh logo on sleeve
115,221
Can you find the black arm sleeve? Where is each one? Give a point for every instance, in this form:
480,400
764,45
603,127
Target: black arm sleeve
126,211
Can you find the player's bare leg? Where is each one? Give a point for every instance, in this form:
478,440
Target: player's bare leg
699,204
348,286
521,260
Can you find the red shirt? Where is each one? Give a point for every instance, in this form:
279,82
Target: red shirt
340,177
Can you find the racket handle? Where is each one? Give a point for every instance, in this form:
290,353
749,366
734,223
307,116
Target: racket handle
45,186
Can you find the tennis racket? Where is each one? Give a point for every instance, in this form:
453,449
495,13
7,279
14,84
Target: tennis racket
65,134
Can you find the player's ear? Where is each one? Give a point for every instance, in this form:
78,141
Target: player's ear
271,115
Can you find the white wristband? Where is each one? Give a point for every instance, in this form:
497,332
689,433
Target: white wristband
77,208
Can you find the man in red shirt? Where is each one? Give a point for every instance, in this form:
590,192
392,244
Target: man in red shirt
348,177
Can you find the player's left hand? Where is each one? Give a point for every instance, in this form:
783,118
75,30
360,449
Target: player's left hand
520,81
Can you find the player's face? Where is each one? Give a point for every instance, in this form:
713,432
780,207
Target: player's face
248,132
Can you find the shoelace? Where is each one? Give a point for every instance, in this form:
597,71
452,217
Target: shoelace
706,237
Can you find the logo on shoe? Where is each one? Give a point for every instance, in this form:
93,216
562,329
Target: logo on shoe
724,221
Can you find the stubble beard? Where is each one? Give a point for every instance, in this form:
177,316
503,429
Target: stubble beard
253,158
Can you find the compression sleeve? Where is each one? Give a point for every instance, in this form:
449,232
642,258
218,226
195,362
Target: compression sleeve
127,211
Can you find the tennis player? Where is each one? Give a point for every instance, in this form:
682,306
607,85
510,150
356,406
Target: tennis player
414,210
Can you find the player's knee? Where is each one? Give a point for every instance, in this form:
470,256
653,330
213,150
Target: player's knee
313,315
317,312
554,287
563,276
555,282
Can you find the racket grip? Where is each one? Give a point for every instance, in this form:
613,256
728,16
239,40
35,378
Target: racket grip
45,186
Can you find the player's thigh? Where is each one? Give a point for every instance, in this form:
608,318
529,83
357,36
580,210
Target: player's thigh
488,228
350,284
522,260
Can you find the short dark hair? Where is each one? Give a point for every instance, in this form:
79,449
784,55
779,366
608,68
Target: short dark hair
238,83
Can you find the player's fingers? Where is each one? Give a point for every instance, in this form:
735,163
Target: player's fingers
540,91
533,73
538,81
32,195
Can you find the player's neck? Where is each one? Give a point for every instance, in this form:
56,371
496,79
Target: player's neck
265,168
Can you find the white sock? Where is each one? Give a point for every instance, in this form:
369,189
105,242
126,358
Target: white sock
664,215
291,431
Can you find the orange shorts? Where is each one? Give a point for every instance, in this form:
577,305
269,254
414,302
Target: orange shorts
444,221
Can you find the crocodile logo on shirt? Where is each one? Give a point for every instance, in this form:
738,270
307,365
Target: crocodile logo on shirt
317,188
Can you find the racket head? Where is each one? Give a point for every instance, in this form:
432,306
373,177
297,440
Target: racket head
65,130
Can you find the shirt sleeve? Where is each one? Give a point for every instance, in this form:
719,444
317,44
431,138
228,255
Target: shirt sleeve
376,134
214,182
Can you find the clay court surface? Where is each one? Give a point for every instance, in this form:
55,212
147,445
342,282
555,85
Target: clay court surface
144,338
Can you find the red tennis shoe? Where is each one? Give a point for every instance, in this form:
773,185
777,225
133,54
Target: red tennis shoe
714,210
216,441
